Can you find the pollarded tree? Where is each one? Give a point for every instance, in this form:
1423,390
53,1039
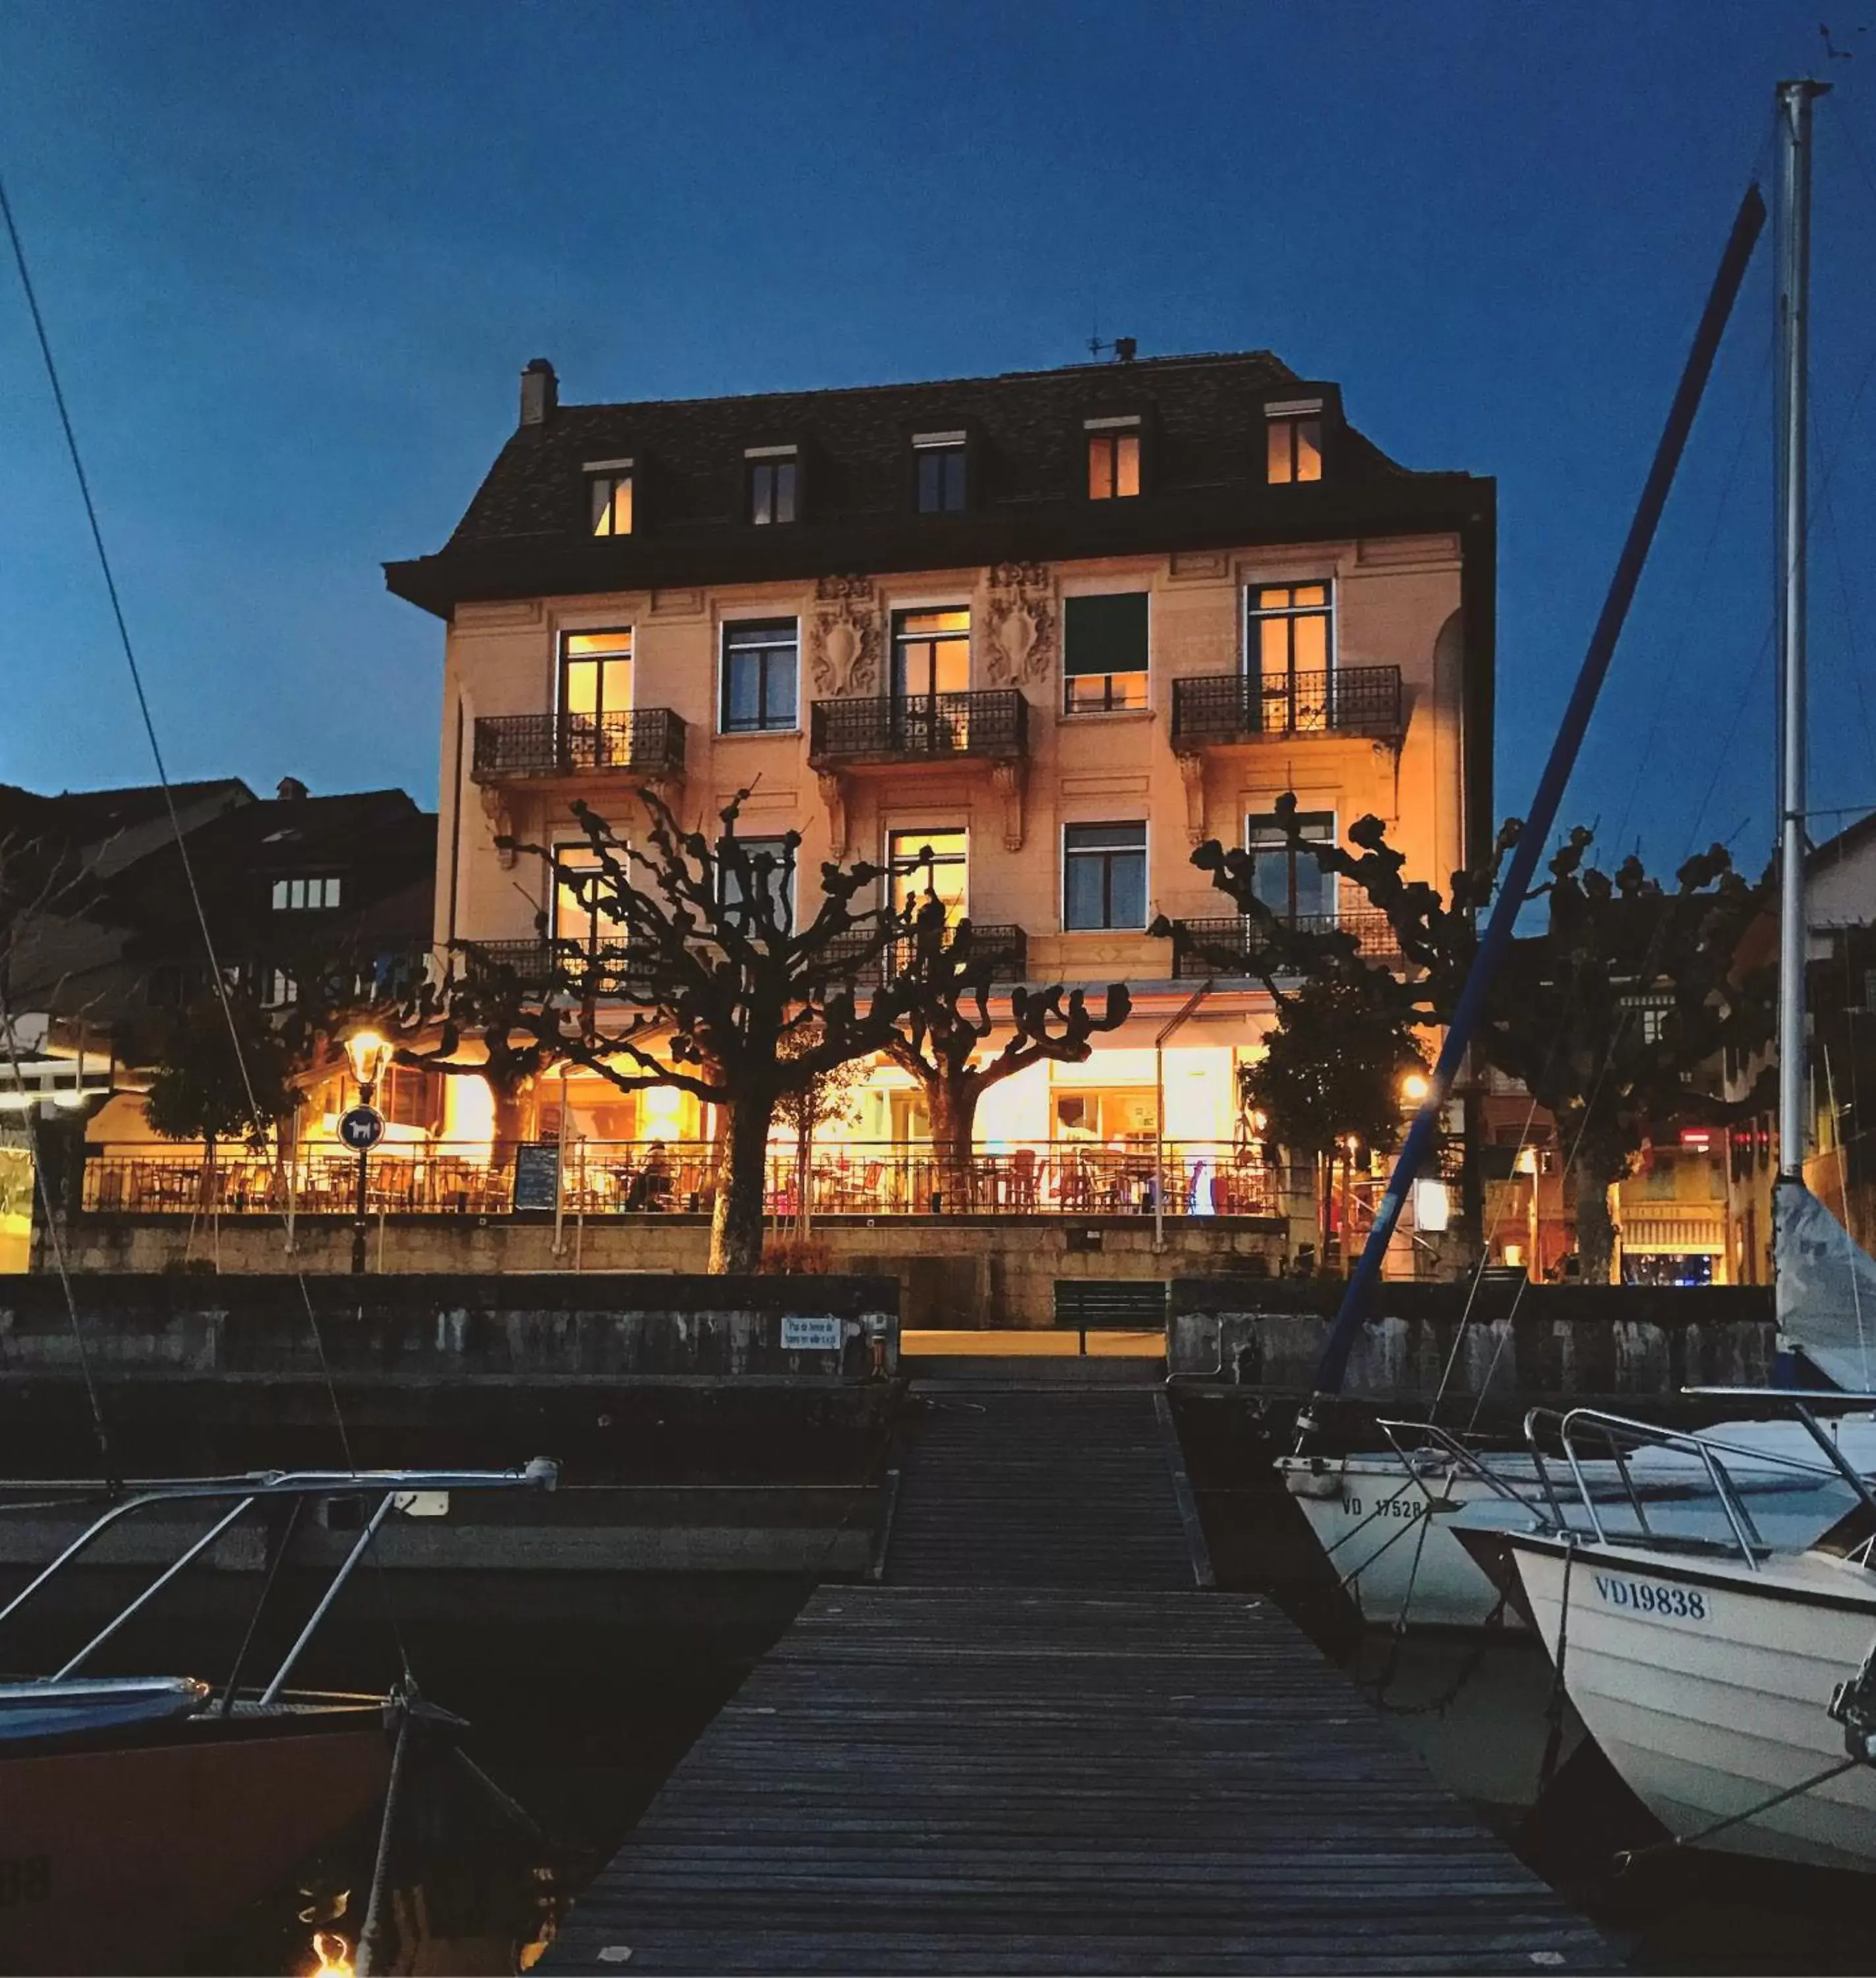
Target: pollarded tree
941,1023
1331,1074
1614,1019
223,1070
698,977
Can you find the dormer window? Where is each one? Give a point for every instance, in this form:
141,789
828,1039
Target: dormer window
301,896
1294,442
773,474
940,459
1113,459
609,484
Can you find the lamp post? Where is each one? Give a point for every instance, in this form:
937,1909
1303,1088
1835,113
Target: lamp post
363,1127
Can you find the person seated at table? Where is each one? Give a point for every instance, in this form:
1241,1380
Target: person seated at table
651,1187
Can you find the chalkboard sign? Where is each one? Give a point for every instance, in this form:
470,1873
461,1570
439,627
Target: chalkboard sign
535,1167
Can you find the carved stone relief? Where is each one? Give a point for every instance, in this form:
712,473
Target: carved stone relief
501,814
833,786
1021,624
845,656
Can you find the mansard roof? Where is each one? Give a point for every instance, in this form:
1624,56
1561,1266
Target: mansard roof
526,532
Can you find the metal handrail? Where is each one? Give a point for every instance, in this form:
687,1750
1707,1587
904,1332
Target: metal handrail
540,1473
1616,1431
1450,1445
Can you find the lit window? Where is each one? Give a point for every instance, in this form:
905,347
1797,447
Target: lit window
1289,646
281,990
1294,442
931,654
773,869
575,918
1113,459
759,669
940,461
1286,878
774,473
916,878
1104,876
609,484
1104,661
299,896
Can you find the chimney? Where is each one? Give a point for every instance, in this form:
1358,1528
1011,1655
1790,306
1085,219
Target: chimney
540,392
291,790
1124,349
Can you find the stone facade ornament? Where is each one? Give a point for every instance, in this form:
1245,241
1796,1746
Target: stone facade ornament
1021,624
845,656
833,787
1192,774
501,814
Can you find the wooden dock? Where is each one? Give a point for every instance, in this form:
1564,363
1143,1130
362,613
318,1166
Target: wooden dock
1081,1763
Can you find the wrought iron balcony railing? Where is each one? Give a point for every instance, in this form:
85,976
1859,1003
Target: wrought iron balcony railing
538,965
646,741
919,728
1228,943
1005,948
1211,708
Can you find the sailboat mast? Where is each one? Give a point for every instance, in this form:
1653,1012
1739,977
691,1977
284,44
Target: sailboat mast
1794,111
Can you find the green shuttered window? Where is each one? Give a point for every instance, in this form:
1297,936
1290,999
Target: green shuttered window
1104,661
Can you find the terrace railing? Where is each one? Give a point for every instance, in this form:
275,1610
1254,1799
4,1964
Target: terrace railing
919,728
539,965
645,741
1212,708
1007,949
1226,943
1085,1180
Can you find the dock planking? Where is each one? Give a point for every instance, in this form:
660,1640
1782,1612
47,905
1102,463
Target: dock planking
1094,1775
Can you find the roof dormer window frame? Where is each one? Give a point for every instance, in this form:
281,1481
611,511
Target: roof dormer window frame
772,484
612,489
1112,469
944,470
1294,430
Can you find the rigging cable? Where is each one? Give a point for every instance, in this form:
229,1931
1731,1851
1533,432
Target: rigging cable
156,749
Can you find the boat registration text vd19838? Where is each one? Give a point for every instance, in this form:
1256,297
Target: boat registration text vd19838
1685,1603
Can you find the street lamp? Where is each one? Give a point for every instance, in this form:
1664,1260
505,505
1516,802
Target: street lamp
1415,1087
362,1127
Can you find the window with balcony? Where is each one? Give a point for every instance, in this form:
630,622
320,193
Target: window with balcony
1289,650
916,877
940,461
761,661
596,695
300,896
773,475
1287,878
609,497
770,867
574,918
1294,442
1104,659
1113,459
1103,876
931,654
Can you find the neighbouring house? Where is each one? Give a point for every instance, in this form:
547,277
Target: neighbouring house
102,938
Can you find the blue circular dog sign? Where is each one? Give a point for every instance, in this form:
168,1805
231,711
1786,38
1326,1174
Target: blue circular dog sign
361,1129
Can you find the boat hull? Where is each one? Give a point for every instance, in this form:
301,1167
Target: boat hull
1707,1686
125,1857
1390,1534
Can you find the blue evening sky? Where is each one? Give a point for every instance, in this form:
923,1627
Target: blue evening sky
293,258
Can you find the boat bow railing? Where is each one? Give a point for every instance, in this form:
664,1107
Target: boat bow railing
395,1489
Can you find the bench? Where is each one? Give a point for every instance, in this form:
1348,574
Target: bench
1109,1304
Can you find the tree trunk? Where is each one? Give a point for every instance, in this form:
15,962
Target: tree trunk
507,1121
736,1219
804,1168
954,1110
1599,1166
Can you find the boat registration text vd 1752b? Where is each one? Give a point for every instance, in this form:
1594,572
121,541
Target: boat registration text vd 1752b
1684,1603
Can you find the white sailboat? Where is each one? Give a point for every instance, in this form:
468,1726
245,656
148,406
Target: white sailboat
1733,1684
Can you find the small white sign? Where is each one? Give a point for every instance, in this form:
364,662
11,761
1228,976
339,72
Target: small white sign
809,1335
